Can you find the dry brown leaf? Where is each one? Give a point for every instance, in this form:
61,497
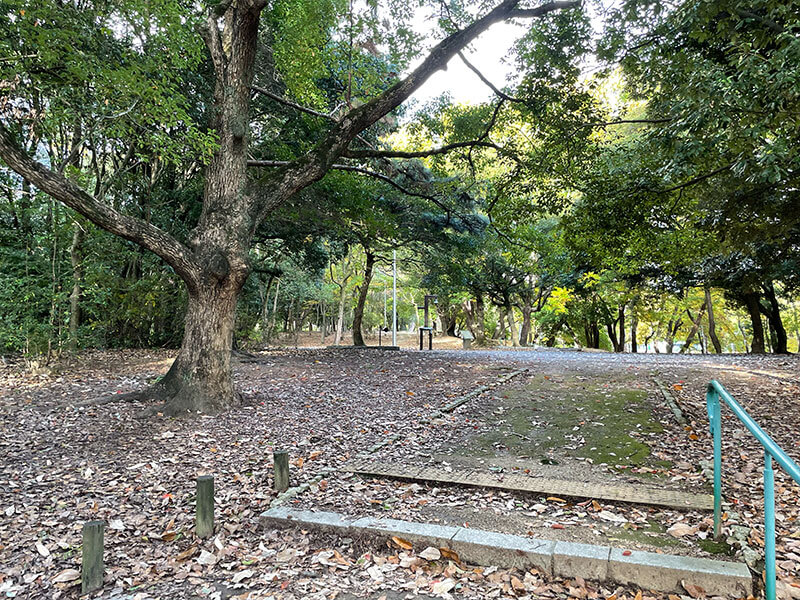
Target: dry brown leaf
450,554
186,554
401,543
695,591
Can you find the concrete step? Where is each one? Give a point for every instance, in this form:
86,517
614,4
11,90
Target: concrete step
645,570
635,494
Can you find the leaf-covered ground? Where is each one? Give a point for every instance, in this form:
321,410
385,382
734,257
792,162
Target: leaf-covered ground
63,465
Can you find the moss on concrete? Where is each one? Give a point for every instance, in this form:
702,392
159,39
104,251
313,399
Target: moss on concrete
568,417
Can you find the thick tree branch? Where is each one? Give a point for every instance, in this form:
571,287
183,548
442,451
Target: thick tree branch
175,254
313,165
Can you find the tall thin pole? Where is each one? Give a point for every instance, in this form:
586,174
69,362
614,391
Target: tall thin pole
394,297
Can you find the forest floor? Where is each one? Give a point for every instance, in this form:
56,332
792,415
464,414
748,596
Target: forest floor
576,415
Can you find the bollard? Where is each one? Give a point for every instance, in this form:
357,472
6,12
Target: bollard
204,519
280,458
92,557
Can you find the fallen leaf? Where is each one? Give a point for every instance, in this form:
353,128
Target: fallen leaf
66,576
188,553
207,558
695,591
450,554
401,543
442,587
242,575
430,553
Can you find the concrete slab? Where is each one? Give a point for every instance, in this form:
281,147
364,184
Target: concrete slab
617,492
419,534
665,572
321,521
587,560
504,550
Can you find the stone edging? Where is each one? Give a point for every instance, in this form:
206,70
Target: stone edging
671,402
646,570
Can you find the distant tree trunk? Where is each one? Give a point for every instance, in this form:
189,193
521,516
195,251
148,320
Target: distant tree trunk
500,332
363,290
712,324
76,257
695,327
448,317
592,331
273,318
474,312
512,324
621,316
752,303
744,336
634,326
323,331
780,345
525,330
340,321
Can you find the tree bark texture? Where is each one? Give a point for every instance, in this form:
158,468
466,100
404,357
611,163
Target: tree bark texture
752,301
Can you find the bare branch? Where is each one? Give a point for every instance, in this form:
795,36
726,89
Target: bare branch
418,153
488,83
353,169
294,105
175,254
697,179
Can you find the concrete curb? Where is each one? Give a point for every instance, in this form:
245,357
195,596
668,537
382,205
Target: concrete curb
646,570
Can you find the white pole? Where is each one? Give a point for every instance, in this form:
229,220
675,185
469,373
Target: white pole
394,297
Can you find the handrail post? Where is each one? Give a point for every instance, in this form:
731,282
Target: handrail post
769,527
712,406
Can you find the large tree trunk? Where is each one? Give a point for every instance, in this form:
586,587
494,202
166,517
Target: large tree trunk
712,324
363,290
200,378
752,303
449,318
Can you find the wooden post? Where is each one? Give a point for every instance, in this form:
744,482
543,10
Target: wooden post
92,570
204,520
281,460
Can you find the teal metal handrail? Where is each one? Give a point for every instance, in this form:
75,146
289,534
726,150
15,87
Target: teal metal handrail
772,452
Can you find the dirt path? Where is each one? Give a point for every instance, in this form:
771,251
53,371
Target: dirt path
62,465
